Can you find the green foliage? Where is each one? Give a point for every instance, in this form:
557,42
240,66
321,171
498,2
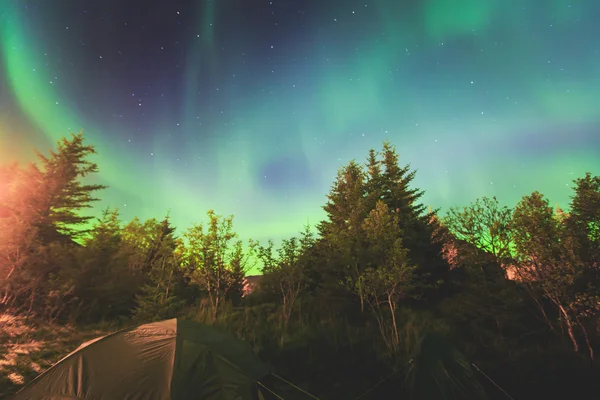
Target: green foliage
213,261
485,226
61,181
158,298
551,266
339,312
154,304
346,248
103,288
584,217
583,226
284,274
543,250
390,278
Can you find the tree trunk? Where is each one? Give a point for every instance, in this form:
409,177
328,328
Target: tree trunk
379,317
168,284
587,339
216,308
360,290
284,301
569,325
541,308
394,325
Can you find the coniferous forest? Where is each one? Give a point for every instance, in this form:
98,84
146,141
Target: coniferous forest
383,299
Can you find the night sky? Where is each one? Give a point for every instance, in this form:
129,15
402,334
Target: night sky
250,107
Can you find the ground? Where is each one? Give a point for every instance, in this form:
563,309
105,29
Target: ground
28,348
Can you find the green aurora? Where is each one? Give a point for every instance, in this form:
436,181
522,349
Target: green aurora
252,112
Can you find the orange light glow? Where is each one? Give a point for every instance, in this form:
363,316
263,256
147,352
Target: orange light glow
5,212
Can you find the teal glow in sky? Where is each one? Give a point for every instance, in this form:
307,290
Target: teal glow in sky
249,107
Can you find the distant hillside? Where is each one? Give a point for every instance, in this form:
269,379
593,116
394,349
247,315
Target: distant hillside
251,283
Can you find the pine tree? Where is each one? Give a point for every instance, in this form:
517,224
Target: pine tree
65,195
353,196
395,188
346,207
158,298
44,202
104,286
374,179
390,183
341,233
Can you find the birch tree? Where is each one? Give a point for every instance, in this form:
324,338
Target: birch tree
214,260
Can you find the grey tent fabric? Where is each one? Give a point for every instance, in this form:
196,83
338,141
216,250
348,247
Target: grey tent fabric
167,360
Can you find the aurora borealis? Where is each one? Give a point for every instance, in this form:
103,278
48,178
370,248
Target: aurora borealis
250,107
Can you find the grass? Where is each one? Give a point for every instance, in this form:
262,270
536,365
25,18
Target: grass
29,347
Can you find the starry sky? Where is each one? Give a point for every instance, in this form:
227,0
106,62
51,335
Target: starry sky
250,107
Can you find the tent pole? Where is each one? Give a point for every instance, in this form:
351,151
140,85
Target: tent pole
270,391
390,376
295,387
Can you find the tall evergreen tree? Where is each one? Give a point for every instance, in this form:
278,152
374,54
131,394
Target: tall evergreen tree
65,194
353,196
44,202
341,233
159,298
394,187
104,286
374,179
391,183
346,207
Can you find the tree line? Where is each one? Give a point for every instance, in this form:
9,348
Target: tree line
384,293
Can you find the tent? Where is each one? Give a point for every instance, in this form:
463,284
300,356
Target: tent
167,360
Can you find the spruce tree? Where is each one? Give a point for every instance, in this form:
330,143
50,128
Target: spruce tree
158,298
45,201
105,286
418,226
342,238
353,196
65,194
346,207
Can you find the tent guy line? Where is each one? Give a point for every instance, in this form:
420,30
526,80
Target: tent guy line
295,387
492,381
